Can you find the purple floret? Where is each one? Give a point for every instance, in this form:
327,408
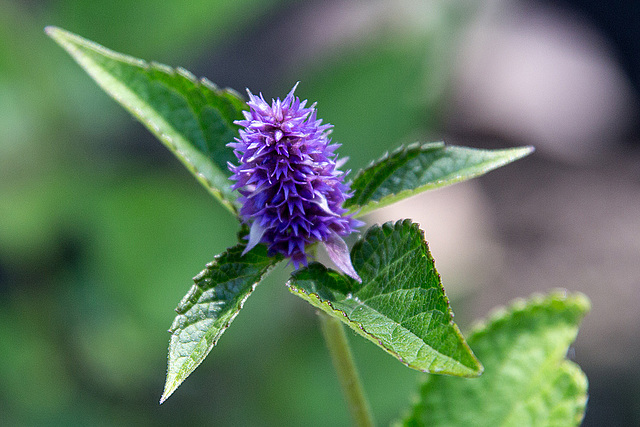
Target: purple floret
291,189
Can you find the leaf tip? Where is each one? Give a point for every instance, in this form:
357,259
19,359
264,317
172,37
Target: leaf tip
164,398
50,30
580,300
64,38
523,151
56,33
560,300
169,388
508,155
478,370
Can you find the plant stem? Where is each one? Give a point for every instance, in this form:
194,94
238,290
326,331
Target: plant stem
338,345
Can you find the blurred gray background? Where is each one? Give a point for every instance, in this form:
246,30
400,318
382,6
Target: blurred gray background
101,228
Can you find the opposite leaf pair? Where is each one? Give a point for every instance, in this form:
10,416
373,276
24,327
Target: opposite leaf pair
400,304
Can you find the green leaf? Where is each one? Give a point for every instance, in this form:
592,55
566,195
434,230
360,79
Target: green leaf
420,167
208,309
527,380
192,117
400,304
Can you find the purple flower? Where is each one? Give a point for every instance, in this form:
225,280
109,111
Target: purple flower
291,189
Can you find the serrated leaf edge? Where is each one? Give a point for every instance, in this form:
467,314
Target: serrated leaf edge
502,314
328,308
188,300
190,365
370,206
582,382
183,307
61,36
404,148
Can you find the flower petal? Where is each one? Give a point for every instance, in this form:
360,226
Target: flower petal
255,236
339,253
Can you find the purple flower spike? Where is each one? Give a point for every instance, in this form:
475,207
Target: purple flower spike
291,189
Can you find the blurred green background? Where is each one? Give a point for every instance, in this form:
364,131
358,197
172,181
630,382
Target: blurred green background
101,228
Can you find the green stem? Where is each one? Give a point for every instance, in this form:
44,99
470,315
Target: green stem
336,339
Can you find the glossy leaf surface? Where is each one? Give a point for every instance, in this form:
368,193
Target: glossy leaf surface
192,117
400,304
208,309
420,167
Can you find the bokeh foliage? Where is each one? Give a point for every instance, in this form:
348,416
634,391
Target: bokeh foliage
99,227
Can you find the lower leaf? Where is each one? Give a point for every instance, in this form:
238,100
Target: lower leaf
400,304
527,380
208,309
